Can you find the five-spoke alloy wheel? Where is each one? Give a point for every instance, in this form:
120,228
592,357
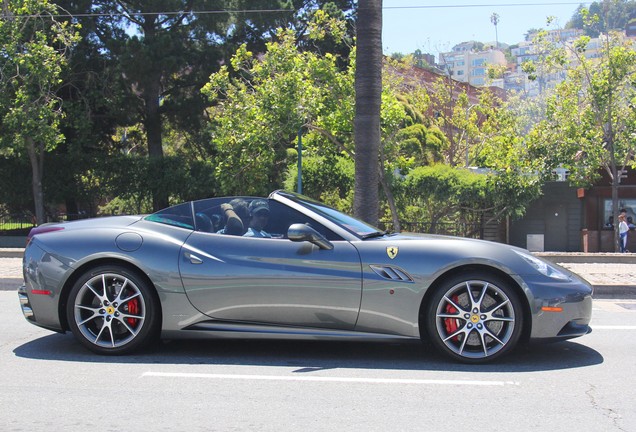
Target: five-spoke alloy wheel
111,310
474,318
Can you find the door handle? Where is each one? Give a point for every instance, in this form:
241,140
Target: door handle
193,258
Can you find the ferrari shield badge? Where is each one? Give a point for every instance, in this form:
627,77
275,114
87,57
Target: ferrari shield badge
392,251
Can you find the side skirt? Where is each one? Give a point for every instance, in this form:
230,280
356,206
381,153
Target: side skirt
234,330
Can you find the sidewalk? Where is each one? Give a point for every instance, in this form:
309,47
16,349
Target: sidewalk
10,268
612,275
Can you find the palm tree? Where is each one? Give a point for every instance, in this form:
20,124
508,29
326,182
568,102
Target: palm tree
494,19
368,87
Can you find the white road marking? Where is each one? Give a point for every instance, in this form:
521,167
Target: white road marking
328,379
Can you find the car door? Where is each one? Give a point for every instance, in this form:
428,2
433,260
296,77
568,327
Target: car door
273,280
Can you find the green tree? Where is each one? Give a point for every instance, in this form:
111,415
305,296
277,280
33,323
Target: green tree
590,121
288,89
167,49
467,121
488,133
259,105
504,150
164,49
33,52
612,15
441,194
95,102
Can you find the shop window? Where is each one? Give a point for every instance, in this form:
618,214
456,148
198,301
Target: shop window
623,204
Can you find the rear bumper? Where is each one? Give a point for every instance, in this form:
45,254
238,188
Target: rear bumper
28,313
25,304
40,294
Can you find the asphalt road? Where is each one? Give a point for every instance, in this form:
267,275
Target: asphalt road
49,382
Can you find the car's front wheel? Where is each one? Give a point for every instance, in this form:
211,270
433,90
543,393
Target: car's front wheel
474,318
111,310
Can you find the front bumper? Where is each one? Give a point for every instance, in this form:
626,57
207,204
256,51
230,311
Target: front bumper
560,310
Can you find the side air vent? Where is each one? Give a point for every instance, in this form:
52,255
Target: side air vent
391,273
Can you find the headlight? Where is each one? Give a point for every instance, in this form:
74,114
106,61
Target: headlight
543,267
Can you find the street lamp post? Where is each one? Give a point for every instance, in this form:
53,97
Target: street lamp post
300,161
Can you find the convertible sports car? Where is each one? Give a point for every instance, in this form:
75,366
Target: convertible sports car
290,267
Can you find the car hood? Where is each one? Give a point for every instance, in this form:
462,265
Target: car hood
415,250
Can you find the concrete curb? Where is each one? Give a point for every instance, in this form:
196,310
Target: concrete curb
10,284
586,258
614,292
11,252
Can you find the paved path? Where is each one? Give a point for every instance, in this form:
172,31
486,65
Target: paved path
605,273
10,273
10,268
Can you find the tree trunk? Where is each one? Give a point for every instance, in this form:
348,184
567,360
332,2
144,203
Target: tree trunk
615,210
615,176
151,93
36,156
152,123
368,87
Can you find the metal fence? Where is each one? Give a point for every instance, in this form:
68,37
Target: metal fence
21,223
16,224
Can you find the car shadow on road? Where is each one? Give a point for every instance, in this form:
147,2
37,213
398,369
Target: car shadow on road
309,356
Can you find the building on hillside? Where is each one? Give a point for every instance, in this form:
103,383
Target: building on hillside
427,78
595,46
465,65
557,35
546,79
465,47
529,51
515,81
422,59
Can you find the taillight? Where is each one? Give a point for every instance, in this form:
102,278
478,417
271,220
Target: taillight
42,229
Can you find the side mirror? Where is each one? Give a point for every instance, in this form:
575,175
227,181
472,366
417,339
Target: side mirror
303,232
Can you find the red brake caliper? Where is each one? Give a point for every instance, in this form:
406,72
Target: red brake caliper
451,323
133,308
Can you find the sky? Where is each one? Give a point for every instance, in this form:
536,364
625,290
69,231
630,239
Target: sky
435,26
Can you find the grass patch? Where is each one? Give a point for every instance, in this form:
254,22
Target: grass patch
7,226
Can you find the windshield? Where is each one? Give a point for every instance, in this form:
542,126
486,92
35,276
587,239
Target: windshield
179,215
355,226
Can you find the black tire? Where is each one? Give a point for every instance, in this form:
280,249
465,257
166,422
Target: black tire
113,311
474,318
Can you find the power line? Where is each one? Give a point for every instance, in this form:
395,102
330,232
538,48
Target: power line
466,6
265,11
119,14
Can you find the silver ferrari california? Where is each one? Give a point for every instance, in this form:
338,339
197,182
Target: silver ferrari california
290,267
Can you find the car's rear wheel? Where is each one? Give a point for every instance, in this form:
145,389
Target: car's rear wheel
474,318
111,310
